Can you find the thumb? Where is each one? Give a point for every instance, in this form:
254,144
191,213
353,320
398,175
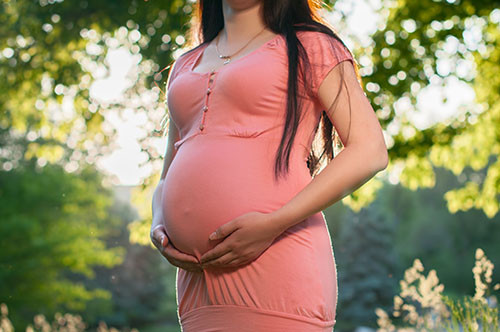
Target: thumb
163,240
215,235
223,230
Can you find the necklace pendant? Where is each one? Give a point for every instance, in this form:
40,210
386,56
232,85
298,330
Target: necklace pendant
226,58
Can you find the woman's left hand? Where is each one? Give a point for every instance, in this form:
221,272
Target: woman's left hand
244,239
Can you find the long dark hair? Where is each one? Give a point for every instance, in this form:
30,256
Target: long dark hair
284,17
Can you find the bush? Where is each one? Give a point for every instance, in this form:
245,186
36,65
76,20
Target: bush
421,306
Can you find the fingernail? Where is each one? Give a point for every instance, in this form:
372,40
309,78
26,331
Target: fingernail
212,236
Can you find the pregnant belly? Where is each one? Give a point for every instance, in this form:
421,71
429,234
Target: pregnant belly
214,179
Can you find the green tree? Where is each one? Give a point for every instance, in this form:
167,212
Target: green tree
442,241
142,287
366,262
48,55
52,225
407,55
50,49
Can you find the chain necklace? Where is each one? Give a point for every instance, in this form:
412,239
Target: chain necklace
227,58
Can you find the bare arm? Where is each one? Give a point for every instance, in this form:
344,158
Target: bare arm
173,135
364,153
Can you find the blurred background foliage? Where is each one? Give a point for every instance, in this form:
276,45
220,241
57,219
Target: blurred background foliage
69,243
406,55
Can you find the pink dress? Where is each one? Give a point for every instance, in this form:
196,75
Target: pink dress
230,123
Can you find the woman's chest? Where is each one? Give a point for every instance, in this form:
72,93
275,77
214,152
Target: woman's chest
252,86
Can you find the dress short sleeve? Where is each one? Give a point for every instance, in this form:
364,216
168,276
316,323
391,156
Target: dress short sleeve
324,52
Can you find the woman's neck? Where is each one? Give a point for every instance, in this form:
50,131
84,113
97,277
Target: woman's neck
241,21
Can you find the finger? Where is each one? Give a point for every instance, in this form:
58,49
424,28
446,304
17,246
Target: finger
192,267
215,253
159,241
189,268
224,230
180,259
236,261
160,229
171,251
221,261
160,237
164,240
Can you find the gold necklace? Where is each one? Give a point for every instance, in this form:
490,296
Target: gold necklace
227,58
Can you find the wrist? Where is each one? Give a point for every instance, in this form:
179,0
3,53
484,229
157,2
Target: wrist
280,221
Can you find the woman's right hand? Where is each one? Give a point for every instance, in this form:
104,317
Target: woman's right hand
177,258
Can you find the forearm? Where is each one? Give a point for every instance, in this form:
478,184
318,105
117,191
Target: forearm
348,171
157,205
167,160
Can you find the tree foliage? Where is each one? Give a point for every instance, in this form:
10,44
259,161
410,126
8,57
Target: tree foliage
52,52
366,262
52,225
410,54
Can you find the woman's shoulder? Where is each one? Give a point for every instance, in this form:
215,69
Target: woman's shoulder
324,52
318,41
187,55
324,49
182,61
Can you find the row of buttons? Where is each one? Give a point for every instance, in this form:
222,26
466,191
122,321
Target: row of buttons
205,107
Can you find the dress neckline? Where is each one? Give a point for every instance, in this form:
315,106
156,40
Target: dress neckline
202,48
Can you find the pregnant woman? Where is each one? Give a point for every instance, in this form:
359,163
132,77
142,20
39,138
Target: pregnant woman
238,207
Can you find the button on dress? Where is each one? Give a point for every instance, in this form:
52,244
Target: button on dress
230,122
